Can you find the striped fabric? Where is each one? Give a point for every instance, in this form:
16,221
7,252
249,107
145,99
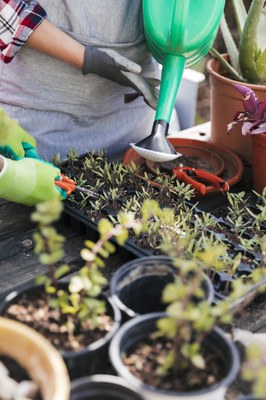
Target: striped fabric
18,18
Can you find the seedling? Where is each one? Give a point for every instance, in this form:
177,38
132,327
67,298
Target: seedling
188,324
80,303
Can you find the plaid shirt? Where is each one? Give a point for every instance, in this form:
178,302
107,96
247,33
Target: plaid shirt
18,18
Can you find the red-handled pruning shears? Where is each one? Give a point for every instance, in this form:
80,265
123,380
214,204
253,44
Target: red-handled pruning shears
196,178
69,186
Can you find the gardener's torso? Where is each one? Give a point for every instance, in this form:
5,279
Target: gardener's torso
37,82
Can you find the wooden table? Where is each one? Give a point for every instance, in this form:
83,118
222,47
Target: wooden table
18,264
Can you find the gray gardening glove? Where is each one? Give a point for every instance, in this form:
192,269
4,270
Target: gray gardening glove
111,65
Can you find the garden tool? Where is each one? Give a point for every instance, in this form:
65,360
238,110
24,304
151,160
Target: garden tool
198,177
69,186
178,33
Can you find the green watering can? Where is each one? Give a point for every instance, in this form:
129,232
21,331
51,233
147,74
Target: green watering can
179,33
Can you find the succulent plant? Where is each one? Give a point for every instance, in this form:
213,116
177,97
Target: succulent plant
247,62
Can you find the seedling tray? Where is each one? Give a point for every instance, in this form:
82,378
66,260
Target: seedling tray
216,205
78,220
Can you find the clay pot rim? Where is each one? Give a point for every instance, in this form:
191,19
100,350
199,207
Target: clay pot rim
18,332
213,69
131,155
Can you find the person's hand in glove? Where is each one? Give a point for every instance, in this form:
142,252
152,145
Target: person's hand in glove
111,65
15,143
28,181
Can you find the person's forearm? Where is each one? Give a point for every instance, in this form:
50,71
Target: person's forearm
50,40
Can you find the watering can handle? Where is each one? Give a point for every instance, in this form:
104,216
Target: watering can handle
179,19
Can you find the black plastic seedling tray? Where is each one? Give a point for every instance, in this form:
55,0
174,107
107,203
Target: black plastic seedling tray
216,205
78,220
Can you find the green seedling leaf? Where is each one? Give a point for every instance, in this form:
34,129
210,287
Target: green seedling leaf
110,247
87,255
41,279
104,226
61,271
230,44
167,327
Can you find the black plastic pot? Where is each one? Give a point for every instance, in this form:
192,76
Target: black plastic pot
137,286
94,358
137,329
103,387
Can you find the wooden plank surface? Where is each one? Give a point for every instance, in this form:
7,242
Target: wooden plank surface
18,264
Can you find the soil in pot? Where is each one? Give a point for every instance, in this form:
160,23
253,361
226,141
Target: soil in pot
86,350
32,309
137,352
147,354
18,374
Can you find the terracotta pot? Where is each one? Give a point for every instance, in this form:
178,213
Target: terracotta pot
259,162
40,359
225,102
233,167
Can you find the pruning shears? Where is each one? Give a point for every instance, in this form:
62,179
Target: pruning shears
198,177
69,186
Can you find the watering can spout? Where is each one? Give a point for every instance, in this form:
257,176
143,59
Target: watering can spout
156,147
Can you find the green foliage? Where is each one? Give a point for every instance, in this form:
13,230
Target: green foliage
82,298
253,370
193,249
49,243
47,213
56,159
237,211
190,316
72,155
248,59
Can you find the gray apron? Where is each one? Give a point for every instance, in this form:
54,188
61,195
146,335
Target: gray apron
62,108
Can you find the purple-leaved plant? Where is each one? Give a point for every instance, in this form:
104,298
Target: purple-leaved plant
253,117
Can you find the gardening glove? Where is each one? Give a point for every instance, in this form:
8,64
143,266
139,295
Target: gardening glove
29,181
111,65
15,143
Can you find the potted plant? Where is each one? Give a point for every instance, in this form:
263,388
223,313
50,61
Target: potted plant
253,123
79,319
137,286
253,370
245,62
32,352
176,354
179,353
